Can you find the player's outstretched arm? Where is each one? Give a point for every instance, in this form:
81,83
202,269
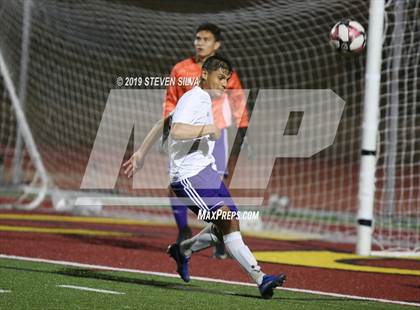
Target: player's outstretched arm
136,161
182,131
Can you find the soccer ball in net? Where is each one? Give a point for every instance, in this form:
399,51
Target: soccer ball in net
348,36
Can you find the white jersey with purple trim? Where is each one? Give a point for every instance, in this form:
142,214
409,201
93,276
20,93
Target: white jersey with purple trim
189,157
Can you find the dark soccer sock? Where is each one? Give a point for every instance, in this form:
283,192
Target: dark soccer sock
180,214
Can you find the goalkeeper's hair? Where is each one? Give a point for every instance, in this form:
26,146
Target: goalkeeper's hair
216,62
215,30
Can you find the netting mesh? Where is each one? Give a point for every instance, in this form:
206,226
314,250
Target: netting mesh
78,49
397,208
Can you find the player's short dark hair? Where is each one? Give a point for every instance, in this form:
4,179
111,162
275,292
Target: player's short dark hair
215,30
216,62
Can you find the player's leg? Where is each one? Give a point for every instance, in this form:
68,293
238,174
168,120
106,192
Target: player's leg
207,182
220,153
237,249
201,193
174,249
181,218
207,237
207,192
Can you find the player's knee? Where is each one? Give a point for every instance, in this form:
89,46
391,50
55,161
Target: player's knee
227,223
234,224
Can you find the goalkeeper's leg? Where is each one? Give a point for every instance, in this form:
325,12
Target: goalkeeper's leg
181,218
220,153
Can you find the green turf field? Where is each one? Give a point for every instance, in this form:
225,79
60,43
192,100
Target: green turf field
29,285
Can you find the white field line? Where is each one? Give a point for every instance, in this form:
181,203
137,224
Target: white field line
82,288
5,291
81,265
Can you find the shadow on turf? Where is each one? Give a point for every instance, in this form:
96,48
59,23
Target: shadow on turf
99,275
124,243
91,274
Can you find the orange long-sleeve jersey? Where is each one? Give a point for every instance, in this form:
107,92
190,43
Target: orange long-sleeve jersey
186,74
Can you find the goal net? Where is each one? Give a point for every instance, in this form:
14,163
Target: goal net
79,53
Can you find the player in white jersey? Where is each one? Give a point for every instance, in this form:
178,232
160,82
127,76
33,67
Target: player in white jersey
193,108
194,177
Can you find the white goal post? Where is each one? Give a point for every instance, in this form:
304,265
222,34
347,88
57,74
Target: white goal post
30,195
370,128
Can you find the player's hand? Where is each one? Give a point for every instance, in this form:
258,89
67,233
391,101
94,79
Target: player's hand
215,135
135,163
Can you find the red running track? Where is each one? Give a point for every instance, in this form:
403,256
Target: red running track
146,249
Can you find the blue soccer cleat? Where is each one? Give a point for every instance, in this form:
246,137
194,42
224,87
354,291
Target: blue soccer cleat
181,261
270,282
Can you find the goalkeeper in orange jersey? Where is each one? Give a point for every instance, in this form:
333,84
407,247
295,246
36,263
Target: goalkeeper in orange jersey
186,74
